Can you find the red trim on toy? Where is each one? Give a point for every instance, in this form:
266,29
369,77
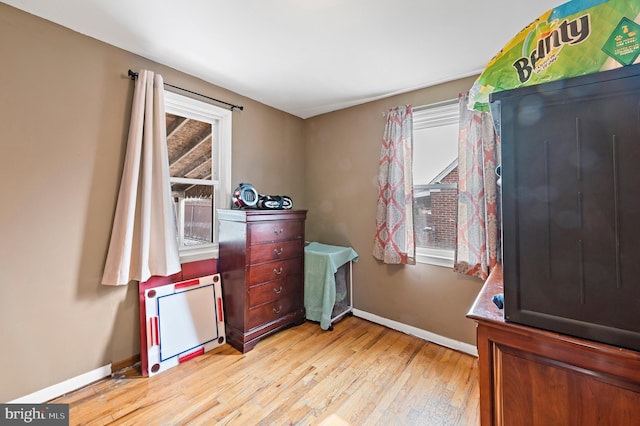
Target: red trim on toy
156,330
191,355
186,284
220,317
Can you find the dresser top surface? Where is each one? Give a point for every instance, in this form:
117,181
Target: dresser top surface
484,311
255,215
483,308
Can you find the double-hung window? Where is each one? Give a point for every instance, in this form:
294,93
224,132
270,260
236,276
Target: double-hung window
199,149
435,181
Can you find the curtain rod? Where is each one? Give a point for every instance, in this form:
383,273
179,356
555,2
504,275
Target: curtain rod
133,75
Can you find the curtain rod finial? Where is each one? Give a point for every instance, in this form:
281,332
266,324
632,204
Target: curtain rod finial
132,75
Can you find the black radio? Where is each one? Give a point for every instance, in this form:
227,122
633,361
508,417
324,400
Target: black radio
245,196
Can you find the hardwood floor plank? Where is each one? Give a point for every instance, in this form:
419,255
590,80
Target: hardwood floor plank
358,374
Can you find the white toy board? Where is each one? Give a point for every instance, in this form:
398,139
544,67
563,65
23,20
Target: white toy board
183,320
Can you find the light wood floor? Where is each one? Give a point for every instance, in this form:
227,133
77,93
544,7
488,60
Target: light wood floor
358,374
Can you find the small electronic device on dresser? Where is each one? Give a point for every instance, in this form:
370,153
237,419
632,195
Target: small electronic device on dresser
261,262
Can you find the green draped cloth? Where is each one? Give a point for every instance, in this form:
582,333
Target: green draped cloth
321,261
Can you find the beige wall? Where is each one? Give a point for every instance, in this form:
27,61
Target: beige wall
64,111
342,154
64,108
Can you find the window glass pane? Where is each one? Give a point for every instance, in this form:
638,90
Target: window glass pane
434,218
194,214
434,149
435,178
189,147
197,221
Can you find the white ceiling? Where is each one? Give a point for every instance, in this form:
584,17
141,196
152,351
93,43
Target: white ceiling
304,57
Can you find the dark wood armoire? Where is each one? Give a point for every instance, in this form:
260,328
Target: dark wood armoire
571,205
565,349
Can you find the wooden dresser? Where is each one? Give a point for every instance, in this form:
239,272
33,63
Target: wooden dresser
529,376
261,262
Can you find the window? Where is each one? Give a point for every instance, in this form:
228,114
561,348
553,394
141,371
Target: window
435,181
199,149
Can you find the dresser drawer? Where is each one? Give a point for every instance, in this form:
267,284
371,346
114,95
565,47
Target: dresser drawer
268,252
271,311
274,290
277,230
275,270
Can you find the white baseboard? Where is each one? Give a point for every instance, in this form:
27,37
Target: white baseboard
61,388
418,332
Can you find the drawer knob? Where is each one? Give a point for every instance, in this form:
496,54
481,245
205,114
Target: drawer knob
277,271
277,310
278,290
275,231
279,251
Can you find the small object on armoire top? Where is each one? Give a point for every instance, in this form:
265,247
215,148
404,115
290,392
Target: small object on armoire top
498,299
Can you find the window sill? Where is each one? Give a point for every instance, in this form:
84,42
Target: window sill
443,258
200,253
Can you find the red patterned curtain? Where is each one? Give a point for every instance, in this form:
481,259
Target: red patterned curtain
478,233
394,242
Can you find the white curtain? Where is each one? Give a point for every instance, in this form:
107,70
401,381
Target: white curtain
143,239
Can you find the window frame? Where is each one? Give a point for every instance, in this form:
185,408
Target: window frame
435,115
221,120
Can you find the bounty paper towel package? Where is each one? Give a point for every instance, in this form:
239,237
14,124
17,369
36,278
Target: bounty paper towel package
577,38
